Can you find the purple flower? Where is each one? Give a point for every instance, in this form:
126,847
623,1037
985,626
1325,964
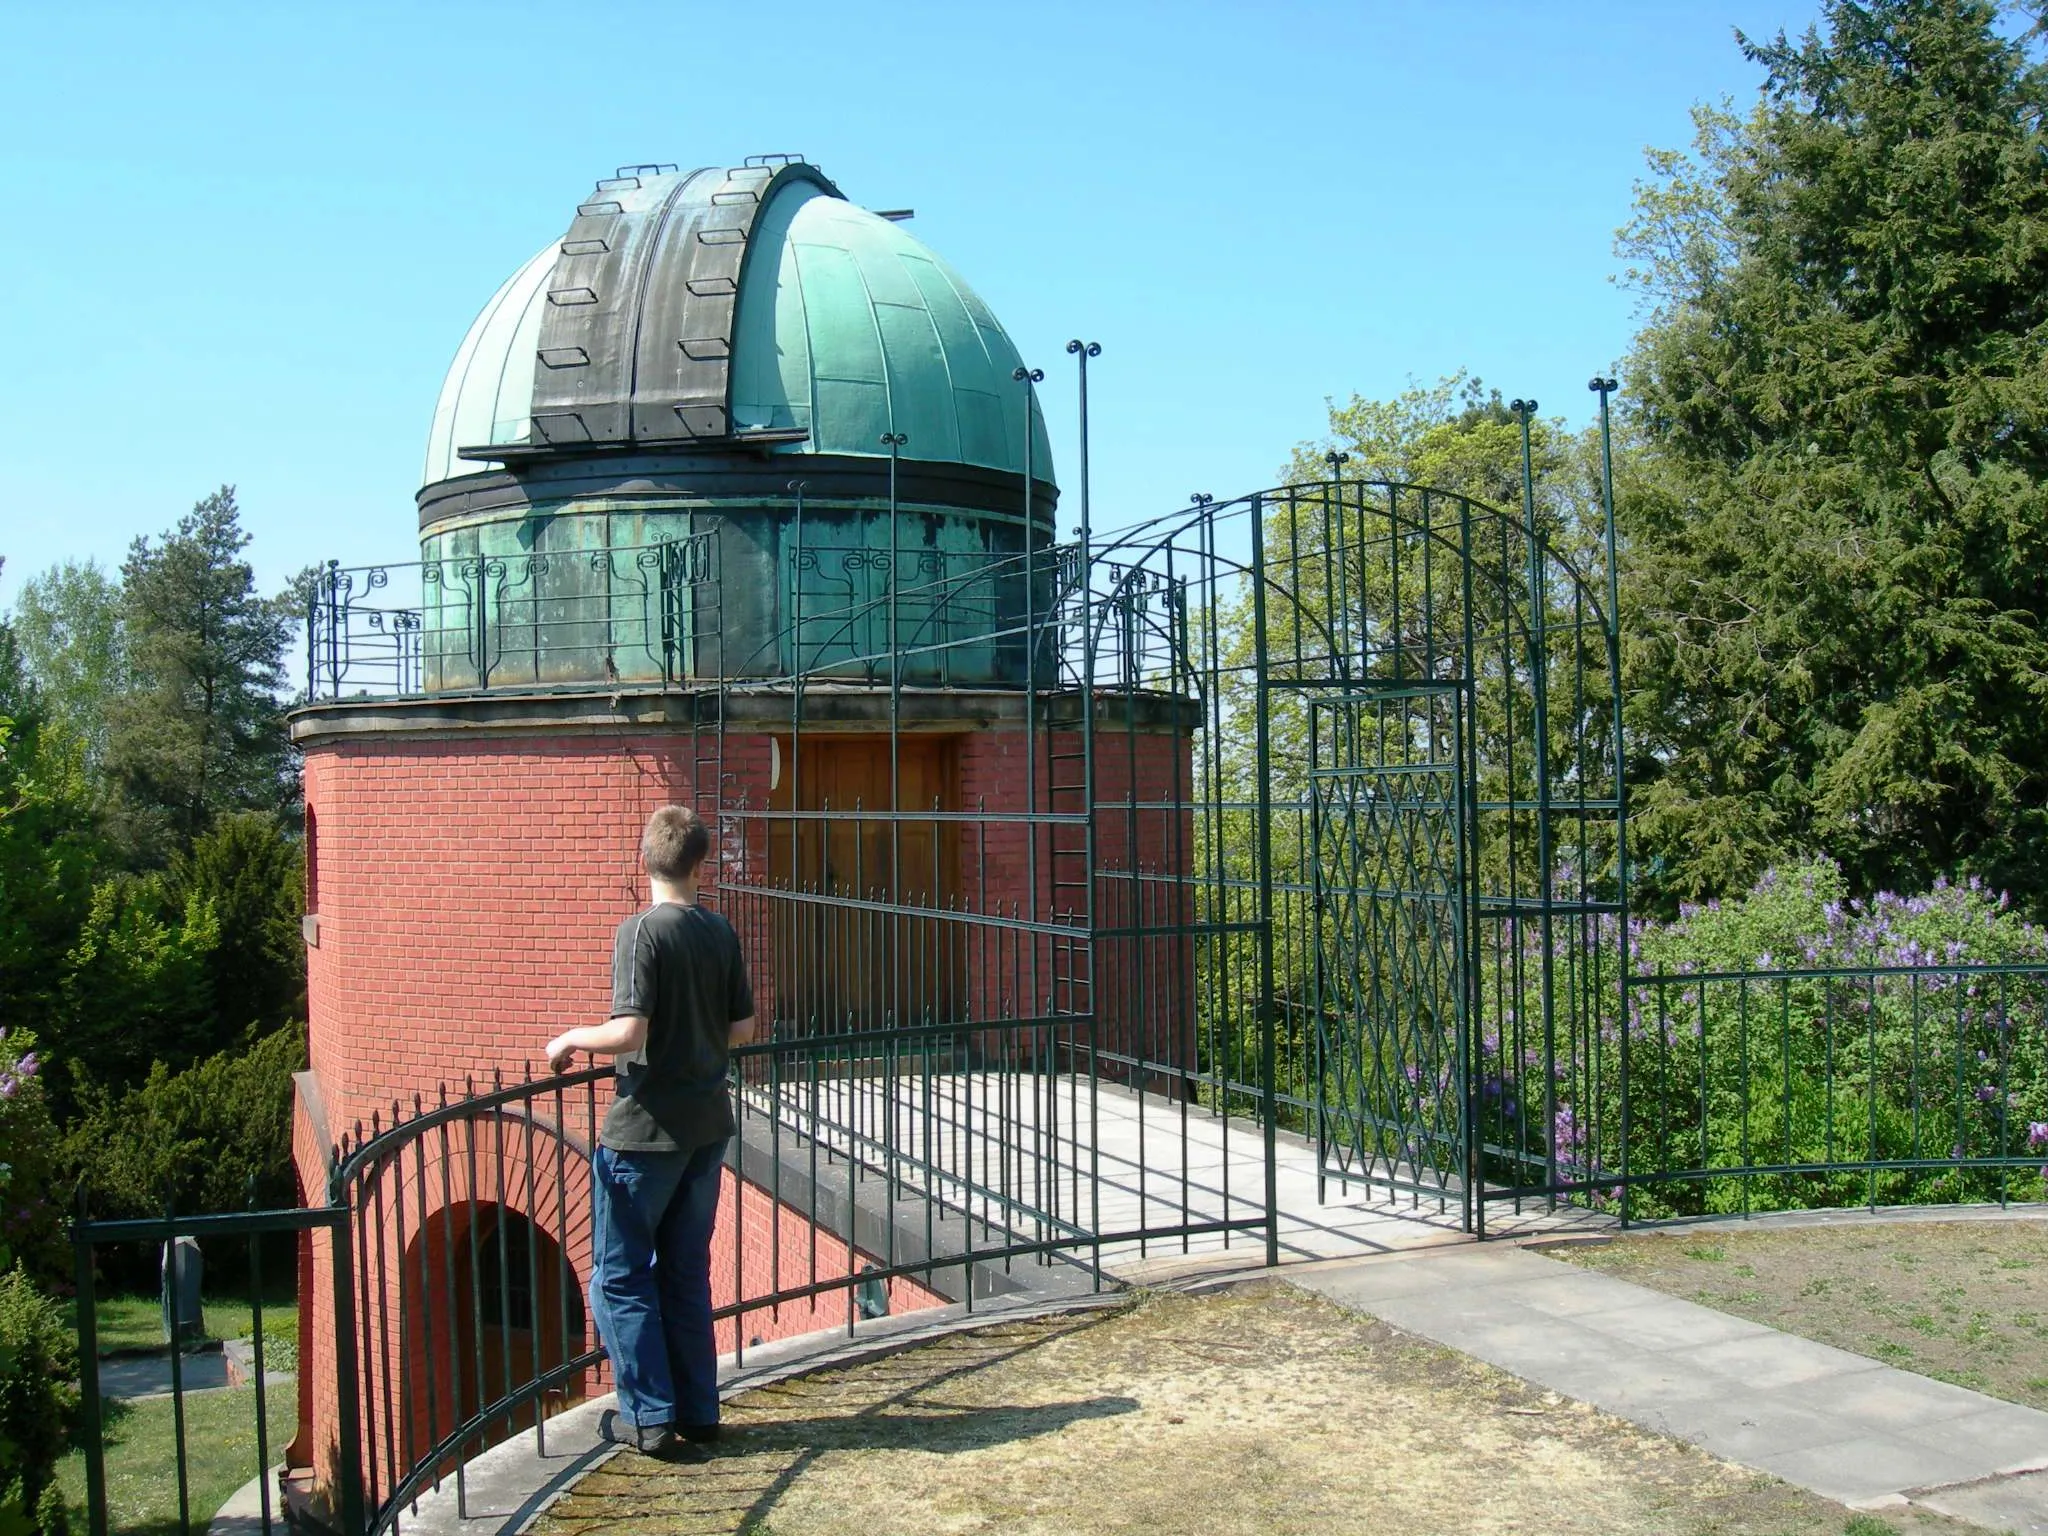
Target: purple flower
2037,1134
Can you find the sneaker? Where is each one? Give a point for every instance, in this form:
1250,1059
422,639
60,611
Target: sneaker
698,1434
648,1439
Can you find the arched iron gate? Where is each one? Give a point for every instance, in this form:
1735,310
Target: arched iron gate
1410,829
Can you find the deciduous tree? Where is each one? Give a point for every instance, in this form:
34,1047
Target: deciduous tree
68,624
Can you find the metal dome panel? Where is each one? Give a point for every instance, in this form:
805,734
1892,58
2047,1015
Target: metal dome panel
487,396
720,309
860,329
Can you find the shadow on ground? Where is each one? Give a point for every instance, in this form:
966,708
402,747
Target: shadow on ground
1257,1410
904,1402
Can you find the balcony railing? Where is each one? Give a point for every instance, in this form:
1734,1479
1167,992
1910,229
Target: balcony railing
563,618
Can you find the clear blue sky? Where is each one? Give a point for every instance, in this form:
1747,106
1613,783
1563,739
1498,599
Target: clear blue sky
243,243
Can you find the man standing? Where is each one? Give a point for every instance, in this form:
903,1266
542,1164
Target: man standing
680,1001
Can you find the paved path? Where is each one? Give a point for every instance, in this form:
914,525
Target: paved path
1844,1426
1028,1153
140,1377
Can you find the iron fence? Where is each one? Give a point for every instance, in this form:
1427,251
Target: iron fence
541,617
873,1171
181,1373
1733,1091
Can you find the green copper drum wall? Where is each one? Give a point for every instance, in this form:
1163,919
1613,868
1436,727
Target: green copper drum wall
590,595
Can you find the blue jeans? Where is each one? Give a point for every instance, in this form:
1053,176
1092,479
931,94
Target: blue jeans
650,1285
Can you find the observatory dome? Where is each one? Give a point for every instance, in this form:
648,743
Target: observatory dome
719,311
730,425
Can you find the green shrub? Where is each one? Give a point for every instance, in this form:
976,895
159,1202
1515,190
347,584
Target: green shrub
208,1139
38,1402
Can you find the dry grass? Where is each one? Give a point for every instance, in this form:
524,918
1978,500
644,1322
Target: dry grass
1965,1301
1257,1410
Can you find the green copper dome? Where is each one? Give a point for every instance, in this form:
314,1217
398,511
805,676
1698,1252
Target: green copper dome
488,393
734,309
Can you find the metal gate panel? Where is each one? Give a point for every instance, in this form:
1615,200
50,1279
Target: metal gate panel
1390,880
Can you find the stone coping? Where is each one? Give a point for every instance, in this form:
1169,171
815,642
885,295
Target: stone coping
763,709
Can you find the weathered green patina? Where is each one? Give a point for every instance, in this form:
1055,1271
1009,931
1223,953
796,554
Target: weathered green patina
741,350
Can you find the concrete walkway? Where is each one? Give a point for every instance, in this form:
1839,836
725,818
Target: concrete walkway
1027,1153
1841,1425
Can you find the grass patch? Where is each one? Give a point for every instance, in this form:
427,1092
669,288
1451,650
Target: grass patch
142,1468
137,1322
1956,1300
1260,1409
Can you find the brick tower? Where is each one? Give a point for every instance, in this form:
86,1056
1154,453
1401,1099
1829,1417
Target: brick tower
737,496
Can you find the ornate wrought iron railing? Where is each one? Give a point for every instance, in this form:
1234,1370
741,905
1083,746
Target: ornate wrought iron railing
873,1171
541,618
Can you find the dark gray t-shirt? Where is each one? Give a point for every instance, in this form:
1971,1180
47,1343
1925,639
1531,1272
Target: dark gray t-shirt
681,970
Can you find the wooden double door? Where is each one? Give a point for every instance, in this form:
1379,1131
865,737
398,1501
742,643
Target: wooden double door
866,871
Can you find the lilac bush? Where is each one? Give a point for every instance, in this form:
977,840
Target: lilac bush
31,1216
1793,1028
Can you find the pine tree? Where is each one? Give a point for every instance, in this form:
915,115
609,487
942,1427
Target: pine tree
201,731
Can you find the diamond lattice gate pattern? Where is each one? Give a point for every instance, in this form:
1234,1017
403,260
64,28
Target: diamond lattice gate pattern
1389,876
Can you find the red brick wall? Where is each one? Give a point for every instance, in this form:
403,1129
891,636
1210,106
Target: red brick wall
1142,987
467,890
467,895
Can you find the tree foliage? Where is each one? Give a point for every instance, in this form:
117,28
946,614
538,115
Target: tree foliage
252,878
49,849
200,733
1838,542
136,983
150,888
67,622
210,1138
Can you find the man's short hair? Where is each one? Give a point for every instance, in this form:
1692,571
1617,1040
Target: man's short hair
674,843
